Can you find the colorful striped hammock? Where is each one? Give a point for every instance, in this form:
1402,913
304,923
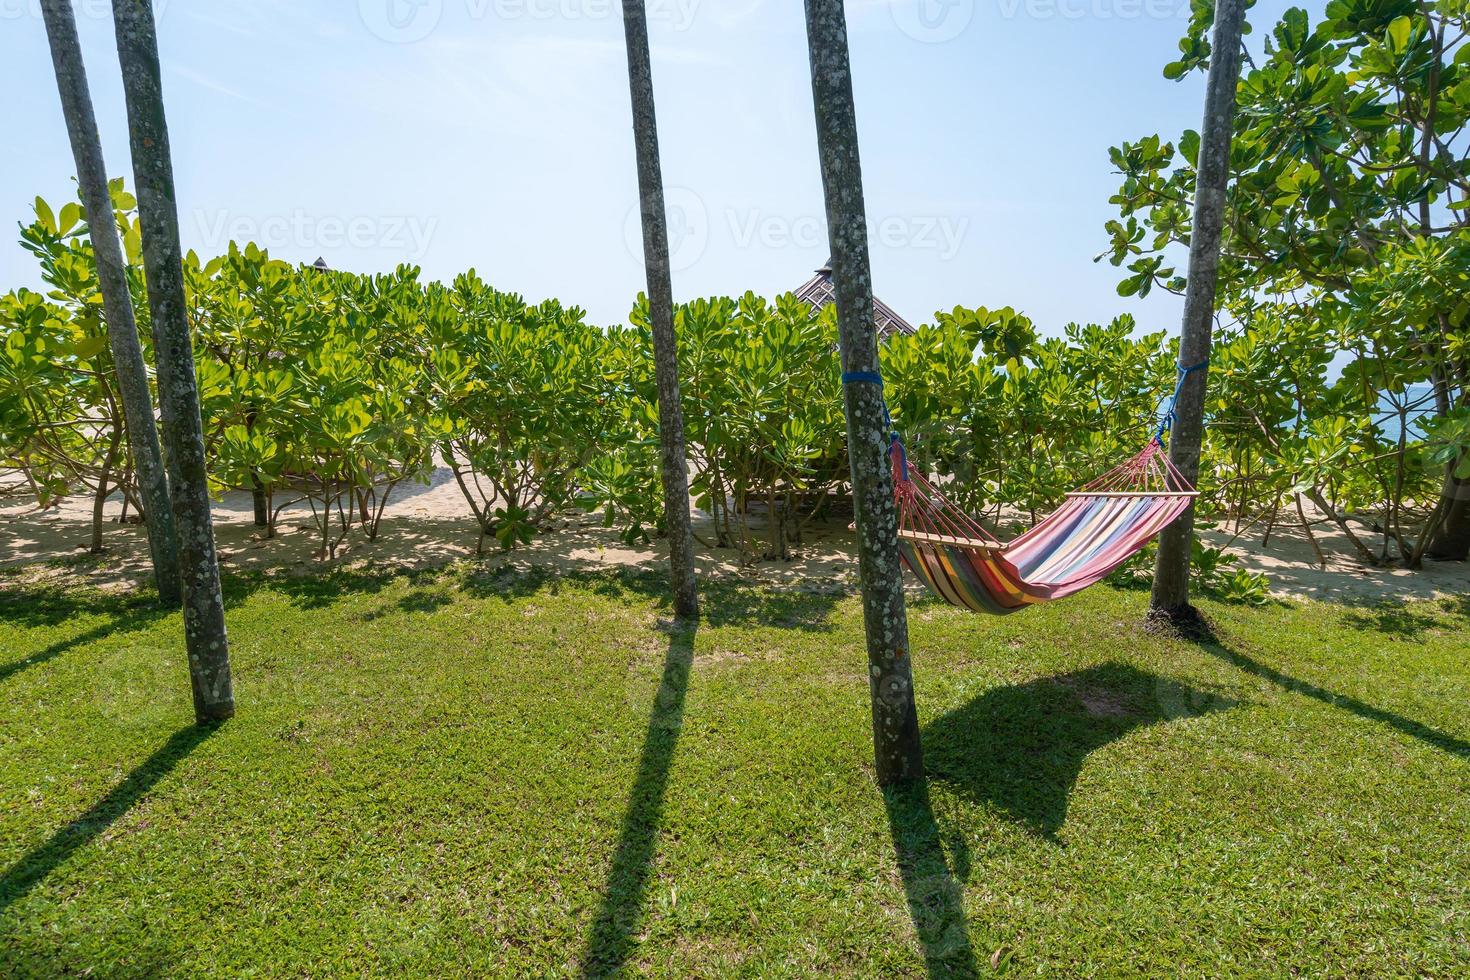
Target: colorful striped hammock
1094,531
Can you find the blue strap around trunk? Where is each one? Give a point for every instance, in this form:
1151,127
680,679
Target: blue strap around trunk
1170,416
895,444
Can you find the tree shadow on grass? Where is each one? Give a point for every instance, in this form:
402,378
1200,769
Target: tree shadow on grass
27,606
1410,621
1020,748
933,889
1210,643
32,868
30,608
611,936
724,602
727,602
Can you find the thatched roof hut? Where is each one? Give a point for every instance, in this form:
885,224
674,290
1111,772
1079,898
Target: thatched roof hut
819,292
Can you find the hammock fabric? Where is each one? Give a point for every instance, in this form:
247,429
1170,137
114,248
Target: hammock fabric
1094,531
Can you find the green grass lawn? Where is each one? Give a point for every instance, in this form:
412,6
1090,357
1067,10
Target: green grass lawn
467,772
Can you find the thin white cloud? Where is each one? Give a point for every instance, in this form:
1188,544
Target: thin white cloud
204,81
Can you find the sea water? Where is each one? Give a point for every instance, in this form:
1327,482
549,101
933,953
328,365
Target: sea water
1421,397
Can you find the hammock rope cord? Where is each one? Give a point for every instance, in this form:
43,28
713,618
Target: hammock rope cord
1095,529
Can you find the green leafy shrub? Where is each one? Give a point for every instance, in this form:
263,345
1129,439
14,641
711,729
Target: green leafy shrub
530,395
332,389
1213,570
762,397
311,383
61,419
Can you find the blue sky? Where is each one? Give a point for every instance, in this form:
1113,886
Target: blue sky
496,134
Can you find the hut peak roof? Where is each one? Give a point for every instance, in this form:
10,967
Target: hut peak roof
818,292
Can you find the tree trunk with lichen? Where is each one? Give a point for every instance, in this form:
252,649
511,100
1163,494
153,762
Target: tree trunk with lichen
897,750
183,433
117,302
1170,600
661,313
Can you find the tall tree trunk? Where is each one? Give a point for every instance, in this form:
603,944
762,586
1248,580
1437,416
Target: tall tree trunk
896,746
661,313
117,303
1170,600
183,433
1452,541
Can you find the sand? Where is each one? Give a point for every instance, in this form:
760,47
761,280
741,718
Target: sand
427,525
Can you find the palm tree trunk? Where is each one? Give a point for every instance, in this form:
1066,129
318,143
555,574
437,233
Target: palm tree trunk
183,433
117,303
897,750
1170,600
661,313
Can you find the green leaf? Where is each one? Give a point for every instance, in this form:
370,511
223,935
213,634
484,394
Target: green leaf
1189,146
45,216
71,214
121,199
1398,33
133,243
89,347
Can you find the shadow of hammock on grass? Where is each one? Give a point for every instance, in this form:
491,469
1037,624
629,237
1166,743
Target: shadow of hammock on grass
1020,748
611,937
32,868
